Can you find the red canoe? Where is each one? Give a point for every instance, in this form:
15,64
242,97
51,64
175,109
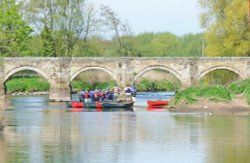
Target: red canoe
157,103
75,104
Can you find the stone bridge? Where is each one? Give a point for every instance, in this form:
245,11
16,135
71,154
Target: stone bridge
61,71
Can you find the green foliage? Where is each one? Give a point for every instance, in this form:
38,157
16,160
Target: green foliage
86,49
162,85
214,93
228,30
78,85
193,94
48,48
167,44
241,87
14,33
219,77
31,84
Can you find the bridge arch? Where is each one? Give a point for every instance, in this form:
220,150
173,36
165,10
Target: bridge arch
205,72
93,68
147,69
22,68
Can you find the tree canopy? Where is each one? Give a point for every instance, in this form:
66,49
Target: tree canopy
227,27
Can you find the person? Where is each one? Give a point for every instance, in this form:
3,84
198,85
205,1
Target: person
133,90
102,95
86,96
128,93
96,95
116,94
81,96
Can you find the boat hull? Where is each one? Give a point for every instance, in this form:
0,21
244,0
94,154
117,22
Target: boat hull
92,104
117,105
75,104
157,103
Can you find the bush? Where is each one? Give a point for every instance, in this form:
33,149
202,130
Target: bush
212,93
31,84
83,85
162,85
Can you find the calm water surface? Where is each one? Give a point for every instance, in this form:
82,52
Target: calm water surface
39,131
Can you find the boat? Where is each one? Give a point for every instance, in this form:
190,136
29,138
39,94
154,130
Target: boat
157,103
92,104
117,104
76,104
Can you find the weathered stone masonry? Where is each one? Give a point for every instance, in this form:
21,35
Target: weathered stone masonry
61,71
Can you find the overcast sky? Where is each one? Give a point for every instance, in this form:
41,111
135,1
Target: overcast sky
176,16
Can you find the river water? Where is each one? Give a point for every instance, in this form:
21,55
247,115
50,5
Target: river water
40,131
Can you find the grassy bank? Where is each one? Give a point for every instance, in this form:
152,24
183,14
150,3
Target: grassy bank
37,84
214,93
162,85
31,84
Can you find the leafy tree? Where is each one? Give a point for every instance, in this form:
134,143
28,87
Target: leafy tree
123,33
66,22
228,29
14,33
48,43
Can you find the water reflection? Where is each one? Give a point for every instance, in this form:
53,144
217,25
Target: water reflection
144,134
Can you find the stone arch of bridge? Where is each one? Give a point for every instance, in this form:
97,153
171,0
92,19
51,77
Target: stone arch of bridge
93,68
147,69
22,68
205,72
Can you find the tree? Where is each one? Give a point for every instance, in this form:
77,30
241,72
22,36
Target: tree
228,29
48,48
14,33
123,34
66,21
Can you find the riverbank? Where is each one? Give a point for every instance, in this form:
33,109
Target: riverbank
237,106
231,99
37,93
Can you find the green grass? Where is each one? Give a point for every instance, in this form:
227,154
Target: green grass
213,93
31,84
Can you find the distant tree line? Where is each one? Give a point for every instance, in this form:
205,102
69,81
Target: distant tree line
75,28
79,28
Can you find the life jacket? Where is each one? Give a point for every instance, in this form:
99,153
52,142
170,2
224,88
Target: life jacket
86,95
96,95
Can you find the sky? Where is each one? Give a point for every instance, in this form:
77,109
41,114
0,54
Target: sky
175,16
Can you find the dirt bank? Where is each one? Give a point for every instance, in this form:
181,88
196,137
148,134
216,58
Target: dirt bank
234,107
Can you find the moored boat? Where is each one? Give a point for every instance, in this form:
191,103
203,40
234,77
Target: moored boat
157,103
117,104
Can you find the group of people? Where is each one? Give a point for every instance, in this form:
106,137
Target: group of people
96,95
105,95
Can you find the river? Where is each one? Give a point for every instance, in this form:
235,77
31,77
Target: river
42,131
